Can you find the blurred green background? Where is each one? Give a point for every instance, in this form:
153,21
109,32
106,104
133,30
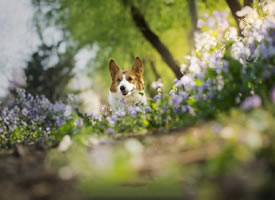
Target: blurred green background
76,39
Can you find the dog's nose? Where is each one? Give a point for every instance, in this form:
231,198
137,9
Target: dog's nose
122,88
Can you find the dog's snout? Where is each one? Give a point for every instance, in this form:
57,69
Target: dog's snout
122,88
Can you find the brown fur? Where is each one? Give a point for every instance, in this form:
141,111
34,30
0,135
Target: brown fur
135,73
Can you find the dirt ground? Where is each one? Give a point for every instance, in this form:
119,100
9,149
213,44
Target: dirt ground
24,176
25,173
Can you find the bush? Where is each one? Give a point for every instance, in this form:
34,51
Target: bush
32,119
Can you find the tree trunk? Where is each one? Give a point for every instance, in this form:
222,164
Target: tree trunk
235,6
154,40
248,3
154,69
192,5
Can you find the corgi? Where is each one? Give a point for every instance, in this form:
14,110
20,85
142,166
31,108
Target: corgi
127,87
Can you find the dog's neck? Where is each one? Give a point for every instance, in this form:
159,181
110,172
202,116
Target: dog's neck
116,101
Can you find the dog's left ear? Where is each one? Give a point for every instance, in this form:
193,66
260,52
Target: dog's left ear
138,66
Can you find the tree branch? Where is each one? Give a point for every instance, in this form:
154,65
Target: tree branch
154,69
235,6
154,40
192,5
248,3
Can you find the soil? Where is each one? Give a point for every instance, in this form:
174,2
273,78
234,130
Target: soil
24,175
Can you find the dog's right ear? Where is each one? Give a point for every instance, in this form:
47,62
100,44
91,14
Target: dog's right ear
113,68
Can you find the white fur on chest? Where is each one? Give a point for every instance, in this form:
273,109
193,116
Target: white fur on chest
116,100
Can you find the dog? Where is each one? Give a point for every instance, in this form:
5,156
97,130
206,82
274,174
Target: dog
127,87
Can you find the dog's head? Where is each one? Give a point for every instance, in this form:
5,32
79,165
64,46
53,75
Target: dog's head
126,82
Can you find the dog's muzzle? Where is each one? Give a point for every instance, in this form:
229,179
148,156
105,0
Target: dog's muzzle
125,92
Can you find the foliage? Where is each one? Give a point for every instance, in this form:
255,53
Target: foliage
227,71
48,72
108,26
34,119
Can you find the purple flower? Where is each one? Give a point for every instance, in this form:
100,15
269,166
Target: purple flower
25,112
60,122
147,109
78,123
98,117
134,110
158,96
184,95
172,92
175,101
211,95
157,84
272,94
225,66
177,84
32,114
21,93
110,131
187,109
165,108
91,115
120,113
251,102
102,108
186,81
114,118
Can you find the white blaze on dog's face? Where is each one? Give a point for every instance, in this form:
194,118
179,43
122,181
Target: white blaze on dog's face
124,83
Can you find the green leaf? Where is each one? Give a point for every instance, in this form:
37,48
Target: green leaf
141,93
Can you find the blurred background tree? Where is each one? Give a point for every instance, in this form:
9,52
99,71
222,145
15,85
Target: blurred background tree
48,78
49,70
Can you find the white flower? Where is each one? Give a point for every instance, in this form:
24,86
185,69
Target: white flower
157,84
195,68
269,8
238,50
211,22
245,11
205,15
187,81
214,60
250,15
231,34
204,41
183,67
200,23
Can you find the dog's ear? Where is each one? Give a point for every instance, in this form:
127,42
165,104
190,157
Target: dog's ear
113,68
138,66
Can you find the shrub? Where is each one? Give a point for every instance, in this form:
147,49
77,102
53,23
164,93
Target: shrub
29,119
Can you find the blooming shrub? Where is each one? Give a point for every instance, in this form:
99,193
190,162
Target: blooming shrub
225,71
29,119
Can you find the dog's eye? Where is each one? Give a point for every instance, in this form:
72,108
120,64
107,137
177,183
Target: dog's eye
130,79
118,80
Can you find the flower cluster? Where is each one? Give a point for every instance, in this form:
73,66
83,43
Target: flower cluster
226,65
30,118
